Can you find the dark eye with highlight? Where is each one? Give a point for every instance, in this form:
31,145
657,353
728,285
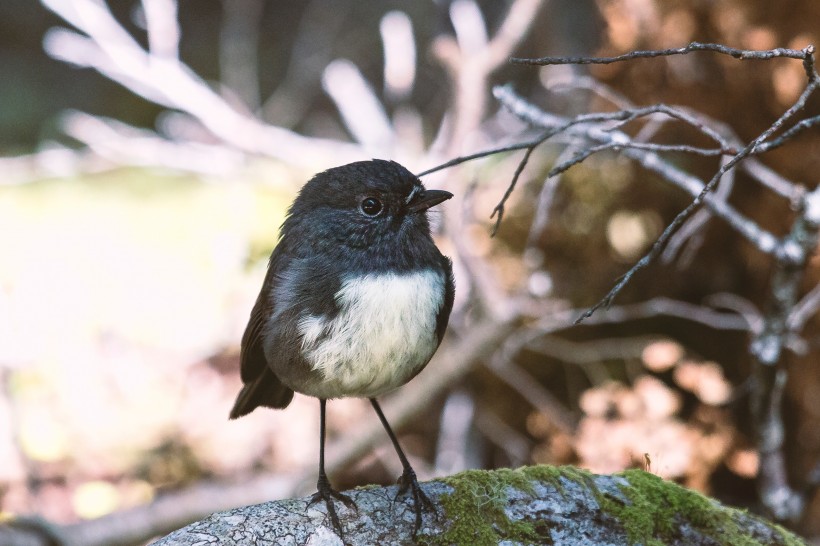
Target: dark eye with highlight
371,206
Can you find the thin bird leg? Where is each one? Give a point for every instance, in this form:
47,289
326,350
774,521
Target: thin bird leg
325,491
408,478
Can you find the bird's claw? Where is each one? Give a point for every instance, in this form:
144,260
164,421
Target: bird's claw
408,483
328,494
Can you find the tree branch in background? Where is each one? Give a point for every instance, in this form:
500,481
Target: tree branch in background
741,54
594,133
785,502
499,208
470,59
159,76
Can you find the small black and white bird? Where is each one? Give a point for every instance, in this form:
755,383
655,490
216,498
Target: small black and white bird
355,302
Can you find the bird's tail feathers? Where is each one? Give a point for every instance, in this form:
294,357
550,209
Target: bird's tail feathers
266,391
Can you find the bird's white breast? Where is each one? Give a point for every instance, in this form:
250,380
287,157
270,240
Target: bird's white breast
384,332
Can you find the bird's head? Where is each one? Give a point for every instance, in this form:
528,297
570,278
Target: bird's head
371,206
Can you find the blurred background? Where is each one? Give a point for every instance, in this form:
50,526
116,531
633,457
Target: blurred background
149,151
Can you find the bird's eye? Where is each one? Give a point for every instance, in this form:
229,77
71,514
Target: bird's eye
371,206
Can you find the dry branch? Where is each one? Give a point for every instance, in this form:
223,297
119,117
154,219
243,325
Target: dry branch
158,75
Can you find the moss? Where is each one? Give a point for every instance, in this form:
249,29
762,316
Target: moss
650,516
476,505
476,509
553,475
648,511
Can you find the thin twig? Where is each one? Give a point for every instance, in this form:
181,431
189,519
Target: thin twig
762,239
795,129
766,242
670,229
806,308
691,232
499,208
724,134
487,153
583,119
741,54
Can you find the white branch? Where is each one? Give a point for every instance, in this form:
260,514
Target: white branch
396,31
359,107
123,144
163,79
162,26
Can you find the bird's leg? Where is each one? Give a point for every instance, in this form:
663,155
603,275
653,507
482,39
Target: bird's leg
325,491
408,479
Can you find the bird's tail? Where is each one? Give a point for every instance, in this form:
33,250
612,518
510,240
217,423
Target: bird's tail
266,391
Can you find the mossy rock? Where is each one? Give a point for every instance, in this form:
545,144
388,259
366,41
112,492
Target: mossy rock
566,505
561,506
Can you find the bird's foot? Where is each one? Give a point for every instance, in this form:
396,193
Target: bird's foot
328,494
421,502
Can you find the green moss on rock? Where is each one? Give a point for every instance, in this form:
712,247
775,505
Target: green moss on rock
649,510
476,509
650,515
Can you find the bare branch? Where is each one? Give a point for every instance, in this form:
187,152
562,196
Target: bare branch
486,153
52,160
692,231
783,501
109,49
162,26
396,30
123,144
712,128
805,309
469,68
514,28
795,129
774,181
499,208
742,54
765,241
360,108
545,199
774,332
762,239
712,318
740,305
238,50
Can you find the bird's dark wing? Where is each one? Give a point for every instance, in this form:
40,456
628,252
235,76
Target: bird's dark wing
261,386
252,356
449,295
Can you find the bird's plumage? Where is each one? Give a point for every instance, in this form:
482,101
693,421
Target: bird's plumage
353,303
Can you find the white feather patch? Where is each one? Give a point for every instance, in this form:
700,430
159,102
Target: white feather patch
384,332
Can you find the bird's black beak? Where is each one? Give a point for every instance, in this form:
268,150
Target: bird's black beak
425,199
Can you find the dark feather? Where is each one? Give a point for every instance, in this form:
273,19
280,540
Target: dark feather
252,354
266,390
449,295
261,386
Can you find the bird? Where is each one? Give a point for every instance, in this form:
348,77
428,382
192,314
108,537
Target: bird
355,302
